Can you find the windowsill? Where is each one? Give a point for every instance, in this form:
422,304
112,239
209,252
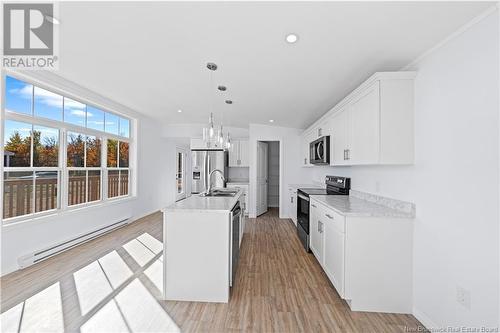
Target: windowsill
14,223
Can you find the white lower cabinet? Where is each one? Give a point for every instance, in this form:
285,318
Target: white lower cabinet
367,259
333,260
316,231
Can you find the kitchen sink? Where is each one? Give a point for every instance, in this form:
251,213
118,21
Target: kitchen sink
220,193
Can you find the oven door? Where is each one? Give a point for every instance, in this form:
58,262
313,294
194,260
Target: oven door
320,150
303,212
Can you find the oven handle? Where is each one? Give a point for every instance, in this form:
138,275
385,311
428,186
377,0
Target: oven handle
303,197
320,156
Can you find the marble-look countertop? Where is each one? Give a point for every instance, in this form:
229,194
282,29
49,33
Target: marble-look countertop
197,203
351,206
297,186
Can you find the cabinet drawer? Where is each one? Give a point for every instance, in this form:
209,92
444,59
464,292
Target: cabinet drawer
332,217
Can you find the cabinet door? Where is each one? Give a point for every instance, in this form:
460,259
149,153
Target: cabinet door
316,231
339,138
364,140
244,154
334,251
233,154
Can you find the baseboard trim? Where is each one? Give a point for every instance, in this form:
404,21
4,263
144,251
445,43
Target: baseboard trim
424,319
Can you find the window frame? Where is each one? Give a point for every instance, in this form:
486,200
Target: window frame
62,168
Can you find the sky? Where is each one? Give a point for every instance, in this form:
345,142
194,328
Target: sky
19,95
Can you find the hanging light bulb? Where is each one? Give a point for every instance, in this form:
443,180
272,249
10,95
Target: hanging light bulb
220,136
228,141
211,130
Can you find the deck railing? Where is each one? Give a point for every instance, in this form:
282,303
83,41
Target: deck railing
18,193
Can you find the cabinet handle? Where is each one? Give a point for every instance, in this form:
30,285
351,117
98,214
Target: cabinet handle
319,226
348,154
345,154
329,216
291,199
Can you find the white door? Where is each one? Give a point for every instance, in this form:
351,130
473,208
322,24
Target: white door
262,149
365,127
180,174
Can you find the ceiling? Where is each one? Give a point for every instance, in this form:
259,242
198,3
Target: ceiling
151,56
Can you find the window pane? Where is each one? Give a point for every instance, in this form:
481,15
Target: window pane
95,118
74,112
123,182
45,190
47,104
18,95
76,187
111,123
93,151
113,183
17,193
112,153
94,179
123,154
124,127
75,149
45,146
17,144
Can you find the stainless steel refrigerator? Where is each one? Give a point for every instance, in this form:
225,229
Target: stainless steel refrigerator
205,161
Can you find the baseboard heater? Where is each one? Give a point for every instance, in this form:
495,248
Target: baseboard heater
33,258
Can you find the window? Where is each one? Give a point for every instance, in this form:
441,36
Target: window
74,112
52,142
84,172
180,175
31,172
117,165
47,104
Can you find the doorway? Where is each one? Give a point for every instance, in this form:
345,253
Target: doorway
268,176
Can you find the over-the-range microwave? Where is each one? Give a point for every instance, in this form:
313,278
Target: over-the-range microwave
319,151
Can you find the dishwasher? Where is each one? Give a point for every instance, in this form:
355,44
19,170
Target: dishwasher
235,240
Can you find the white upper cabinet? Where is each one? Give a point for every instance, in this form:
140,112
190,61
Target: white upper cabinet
364,127
374,124
339,138
239,155
306,139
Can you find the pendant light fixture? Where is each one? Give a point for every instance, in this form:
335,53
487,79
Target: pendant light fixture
211,136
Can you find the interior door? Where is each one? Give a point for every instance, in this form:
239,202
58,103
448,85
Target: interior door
180,174
262,177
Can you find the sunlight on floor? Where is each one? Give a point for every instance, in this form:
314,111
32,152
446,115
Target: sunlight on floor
133,309
141,254
41,312
155,273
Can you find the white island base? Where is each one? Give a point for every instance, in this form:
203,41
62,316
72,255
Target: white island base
197,249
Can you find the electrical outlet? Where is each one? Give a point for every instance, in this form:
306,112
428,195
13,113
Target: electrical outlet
463,297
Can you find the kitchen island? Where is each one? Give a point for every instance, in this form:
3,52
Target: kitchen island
198,248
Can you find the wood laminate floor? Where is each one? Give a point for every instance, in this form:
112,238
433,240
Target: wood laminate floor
114,283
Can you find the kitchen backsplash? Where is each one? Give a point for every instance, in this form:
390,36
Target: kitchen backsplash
238,173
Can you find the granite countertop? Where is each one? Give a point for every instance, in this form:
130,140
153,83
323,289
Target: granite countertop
348,205
197,203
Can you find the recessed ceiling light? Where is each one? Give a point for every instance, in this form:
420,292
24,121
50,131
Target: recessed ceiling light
180,111
271,120
222,88
292,38
229,101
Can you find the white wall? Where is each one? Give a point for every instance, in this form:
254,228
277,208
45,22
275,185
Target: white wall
151,192
291,172
454,181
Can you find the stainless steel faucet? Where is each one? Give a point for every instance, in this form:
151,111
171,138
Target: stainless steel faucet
209,188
